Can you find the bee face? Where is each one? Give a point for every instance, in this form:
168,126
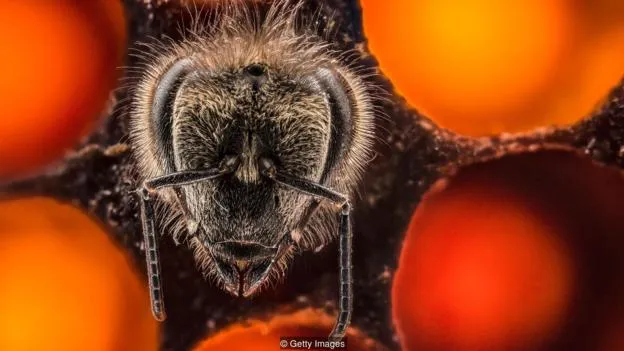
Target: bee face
240,134
264,114
285,118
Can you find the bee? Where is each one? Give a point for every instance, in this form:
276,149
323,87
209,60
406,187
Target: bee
251,135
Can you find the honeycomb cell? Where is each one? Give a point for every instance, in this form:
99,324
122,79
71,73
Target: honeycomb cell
482,67
58,65
259,335
65,286
506,257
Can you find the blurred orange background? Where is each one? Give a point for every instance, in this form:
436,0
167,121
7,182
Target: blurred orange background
58,65
259,335
64,285
501,256
480,67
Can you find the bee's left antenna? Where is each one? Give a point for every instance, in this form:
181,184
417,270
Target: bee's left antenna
151,254
147,193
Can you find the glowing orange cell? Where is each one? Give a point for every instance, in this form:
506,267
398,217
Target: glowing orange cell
57,66
258,335
65,286
480,67
242,338
480,270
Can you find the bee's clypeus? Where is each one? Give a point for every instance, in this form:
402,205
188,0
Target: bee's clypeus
252,135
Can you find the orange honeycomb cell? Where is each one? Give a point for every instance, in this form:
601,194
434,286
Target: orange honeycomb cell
507,255
256,335
482,268
64,285
57,67
479,272
482,67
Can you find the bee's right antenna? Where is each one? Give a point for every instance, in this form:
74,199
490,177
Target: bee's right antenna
345,305
346,284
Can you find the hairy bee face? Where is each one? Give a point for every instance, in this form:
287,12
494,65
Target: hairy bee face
253,99
252,113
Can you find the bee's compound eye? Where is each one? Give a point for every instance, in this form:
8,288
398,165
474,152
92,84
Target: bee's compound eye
255,70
